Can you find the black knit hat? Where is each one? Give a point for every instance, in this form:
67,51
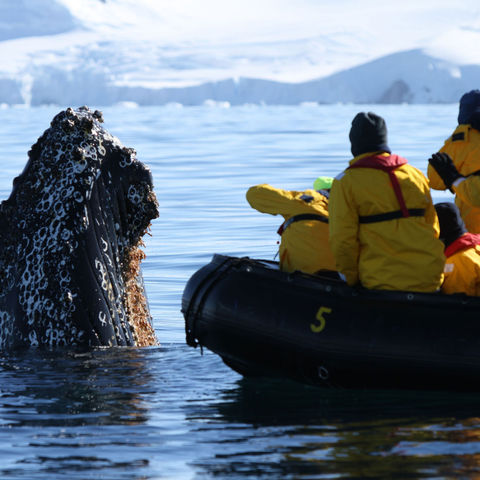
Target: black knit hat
451,223
368,134
469,106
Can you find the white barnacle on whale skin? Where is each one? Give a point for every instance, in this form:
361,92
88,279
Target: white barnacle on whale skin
104,244
128,157
133,195
77,196
80,165
32,337
102,274
102,317
84,222
101,148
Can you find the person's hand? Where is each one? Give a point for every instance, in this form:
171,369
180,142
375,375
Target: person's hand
443,165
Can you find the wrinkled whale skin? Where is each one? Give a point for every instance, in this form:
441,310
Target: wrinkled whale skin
70,241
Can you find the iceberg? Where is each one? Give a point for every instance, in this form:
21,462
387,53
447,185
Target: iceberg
109,52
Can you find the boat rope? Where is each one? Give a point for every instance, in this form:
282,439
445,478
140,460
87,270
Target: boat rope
206,285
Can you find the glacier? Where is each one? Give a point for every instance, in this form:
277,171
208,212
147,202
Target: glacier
145,52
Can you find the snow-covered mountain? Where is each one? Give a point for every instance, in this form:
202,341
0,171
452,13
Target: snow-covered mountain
101,52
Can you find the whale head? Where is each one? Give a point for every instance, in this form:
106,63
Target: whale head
71,241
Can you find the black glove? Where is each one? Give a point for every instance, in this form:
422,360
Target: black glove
443,165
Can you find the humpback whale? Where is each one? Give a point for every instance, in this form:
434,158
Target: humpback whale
71,241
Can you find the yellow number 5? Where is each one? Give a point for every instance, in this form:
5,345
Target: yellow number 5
318,327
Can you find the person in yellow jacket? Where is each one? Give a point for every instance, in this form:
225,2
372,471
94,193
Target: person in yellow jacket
383,225
462,249
458,166
304,233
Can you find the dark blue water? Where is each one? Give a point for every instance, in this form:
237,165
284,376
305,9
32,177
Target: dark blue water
168,412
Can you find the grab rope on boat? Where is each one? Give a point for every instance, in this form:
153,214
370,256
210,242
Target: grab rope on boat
206,285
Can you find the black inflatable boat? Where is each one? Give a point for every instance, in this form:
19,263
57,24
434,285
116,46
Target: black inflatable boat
264,322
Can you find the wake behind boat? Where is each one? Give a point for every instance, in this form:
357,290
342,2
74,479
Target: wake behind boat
265,322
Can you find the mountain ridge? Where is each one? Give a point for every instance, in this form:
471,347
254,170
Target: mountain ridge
107,52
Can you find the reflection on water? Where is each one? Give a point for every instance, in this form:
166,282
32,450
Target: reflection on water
171,412
78,389
63,413
280,429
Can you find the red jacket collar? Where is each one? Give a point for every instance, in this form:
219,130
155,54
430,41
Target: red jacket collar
380,162
467,240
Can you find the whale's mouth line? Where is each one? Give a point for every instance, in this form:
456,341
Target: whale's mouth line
71,261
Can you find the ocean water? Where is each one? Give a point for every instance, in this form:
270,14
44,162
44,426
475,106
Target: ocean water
169,412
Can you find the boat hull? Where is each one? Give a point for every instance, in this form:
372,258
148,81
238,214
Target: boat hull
264,322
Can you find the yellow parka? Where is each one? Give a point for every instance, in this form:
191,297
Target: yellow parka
464,149
462,268
304,244
393,254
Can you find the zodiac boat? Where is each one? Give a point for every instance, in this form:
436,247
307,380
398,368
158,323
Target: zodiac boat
265,322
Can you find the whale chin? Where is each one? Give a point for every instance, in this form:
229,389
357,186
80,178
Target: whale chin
71,241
